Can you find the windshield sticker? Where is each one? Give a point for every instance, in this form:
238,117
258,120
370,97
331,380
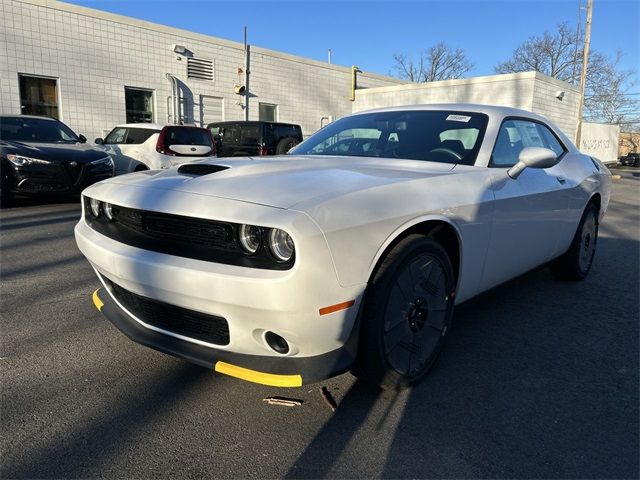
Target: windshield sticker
458,118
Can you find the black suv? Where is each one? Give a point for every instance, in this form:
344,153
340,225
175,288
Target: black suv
246,139
631,158
41,155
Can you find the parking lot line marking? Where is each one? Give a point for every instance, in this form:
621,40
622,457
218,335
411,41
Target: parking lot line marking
258,377
96,300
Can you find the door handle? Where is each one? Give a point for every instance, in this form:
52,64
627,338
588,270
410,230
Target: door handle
561,180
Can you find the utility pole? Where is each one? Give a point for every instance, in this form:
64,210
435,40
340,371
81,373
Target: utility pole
247,66
329,56
583,75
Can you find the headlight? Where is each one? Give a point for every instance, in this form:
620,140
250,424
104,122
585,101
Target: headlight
94,205
250,238
103,161
107,208
281,244
20,161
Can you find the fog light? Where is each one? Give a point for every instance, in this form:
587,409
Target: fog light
95,207
277,343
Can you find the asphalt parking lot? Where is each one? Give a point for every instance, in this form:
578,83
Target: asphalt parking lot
539,379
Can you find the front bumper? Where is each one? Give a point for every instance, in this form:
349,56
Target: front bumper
266,370
53,177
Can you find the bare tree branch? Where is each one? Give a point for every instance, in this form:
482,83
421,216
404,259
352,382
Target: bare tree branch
607,96
439,62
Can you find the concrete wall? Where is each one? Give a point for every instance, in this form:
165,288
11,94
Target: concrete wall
94,55
528,90
600,140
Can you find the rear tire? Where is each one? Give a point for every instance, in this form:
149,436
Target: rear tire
576,262
285,145
407,311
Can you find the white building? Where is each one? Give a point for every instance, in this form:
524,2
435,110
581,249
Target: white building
530,91
94,69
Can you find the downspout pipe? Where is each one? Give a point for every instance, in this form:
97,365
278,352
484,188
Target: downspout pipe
174,97
354,82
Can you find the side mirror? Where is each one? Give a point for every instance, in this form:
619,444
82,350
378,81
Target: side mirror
82,139
98,141
533,157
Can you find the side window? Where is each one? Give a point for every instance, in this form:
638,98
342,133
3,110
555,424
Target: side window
139,135
514,135
550,140
508,145
117,135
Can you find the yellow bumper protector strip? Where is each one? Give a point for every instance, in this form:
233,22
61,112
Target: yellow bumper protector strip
96,300
258,377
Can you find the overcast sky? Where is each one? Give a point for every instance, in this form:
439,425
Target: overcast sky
368,33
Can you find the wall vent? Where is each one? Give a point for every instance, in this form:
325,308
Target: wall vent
199,68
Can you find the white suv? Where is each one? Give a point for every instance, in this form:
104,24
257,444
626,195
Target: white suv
143,146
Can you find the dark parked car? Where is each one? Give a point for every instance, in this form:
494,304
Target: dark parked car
632,159
41,155
246,139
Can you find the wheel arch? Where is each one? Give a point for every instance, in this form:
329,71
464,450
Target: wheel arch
596,199
440,229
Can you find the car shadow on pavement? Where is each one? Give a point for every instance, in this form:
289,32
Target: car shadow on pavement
103,434
537,380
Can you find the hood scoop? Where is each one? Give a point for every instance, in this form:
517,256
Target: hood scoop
200,169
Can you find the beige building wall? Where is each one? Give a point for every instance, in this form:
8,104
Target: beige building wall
94,55
528,90
600,140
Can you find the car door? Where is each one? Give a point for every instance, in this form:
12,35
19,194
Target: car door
529,211
127,147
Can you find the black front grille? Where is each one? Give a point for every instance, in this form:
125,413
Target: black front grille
182,236
185,230
182,321
74,170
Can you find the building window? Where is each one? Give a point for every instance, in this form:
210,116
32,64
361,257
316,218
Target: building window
39,96
139,105
268,112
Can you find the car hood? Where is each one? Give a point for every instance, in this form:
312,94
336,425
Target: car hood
54,152
288,181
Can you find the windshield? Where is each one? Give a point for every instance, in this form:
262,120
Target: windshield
432,135
35,130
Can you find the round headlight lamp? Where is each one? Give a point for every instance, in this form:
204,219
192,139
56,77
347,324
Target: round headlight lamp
107,208
281,245
94,205
250,238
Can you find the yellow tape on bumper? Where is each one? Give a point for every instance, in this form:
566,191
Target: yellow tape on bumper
96,300
258,377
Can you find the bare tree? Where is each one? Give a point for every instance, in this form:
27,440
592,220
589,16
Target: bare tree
607,97
439,62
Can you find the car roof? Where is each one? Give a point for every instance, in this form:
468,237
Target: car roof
492,110
252,122
153,126
30,116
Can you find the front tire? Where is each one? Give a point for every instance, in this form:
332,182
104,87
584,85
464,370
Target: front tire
576,262
407,311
